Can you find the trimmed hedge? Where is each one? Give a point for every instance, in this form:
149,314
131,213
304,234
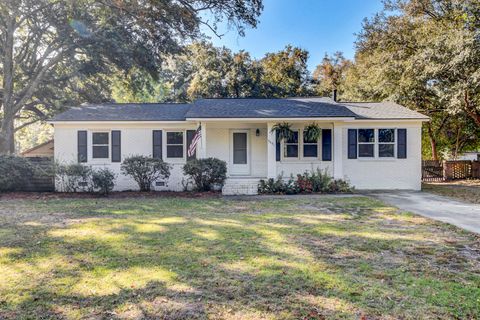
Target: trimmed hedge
310,182
15,173
145,170
206,173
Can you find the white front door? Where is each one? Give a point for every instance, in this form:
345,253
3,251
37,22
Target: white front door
240,152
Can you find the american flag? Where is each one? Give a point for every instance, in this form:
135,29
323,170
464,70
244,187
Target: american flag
195,140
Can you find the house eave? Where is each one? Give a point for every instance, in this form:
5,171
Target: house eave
190,120
115,121
394,120
265,119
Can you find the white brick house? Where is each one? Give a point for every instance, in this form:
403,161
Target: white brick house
372,145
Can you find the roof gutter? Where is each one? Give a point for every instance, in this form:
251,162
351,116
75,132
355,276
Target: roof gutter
115,121
291,119
192,120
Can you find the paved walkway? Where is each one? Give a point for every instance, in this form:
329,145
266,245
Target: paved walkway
461,214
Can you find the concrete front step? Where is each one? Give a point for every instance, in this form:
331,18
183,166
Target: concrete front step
240,186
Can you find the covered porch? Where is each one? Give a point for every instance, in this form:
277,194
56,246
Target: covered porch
253,151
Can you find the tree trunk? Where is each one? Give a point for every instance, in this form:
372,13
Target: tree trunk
7,137
433,142
475,116
471,110
7,130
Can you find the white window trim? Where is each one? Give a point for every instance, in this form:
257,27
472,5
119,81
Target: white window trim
394,143
300,157
283,148
311,143
91,145
183,159
374,143
376,156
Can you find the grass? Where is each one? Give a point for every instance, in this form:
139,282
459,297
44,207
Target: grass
308,258
464,190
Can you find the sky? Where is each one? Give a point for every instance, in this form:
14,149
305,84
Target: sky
320,26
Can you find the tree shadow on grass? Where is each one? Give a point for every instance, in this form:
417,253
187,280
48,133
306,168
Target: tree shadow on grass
182,263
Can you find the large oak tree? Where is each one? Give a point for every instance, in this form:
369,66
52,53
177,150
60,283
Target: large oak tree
424,54
57,53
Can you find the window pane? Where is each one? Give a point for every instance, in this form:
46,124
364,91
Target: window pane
291,151
100,152
239,148
310,150
385,150
366,135
174,151
306,140
240,156
100,138
239,140
174,137
293,138
365,150
386,135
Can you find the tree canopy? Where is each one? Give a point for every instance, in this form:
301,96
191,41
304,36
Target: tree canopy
206,71
424,54
56,53
330,74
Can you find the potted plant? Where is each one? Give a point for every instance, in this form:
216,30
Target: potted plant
312,132
283,130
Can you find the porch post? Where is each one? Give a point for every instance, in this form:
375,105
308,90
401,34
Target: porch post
202,152
271,153
338,150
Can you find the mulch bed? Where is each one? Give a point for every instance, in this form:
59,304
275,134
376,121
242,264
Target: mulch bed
113,195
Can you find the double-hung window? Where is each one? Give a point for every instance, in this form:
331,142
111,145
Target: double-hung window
366,143
386,143
100,145
291,146
310,147
175,144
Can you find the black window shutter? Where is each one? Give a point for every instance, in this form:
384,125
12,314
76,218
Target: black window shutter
277,146
190,135
352,143
82,146
157,144
326,144
116,146
402,144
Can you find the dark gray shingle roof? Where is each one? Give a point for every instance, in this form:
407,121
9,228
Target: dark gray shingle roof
239,108
382,110
125,112
267,108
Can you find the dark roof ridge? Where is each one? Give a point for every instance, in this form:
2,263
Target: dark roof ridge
264,98
125,103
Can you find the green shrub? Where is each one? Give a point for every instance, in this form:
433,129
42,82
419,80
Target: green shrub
320,180
205,173
103,180
291,186
15,172
272,186
74,177
340,186
145,170
310,182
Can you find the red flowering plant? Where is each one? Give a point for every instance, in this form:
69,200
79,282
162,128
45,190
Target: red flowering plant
304,184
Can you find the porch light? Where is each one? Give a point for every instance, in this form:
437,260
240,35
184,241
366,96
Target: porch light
257,132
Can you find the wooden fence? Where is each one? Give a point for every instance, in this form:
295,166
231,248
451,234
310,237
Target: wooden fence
43,180
433,170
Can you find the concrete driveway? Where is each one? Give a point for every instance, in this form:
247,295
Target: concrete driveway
461,214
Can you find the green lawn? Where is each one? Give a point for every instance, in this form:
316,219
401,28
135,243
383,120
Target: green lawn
177,258
463,190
